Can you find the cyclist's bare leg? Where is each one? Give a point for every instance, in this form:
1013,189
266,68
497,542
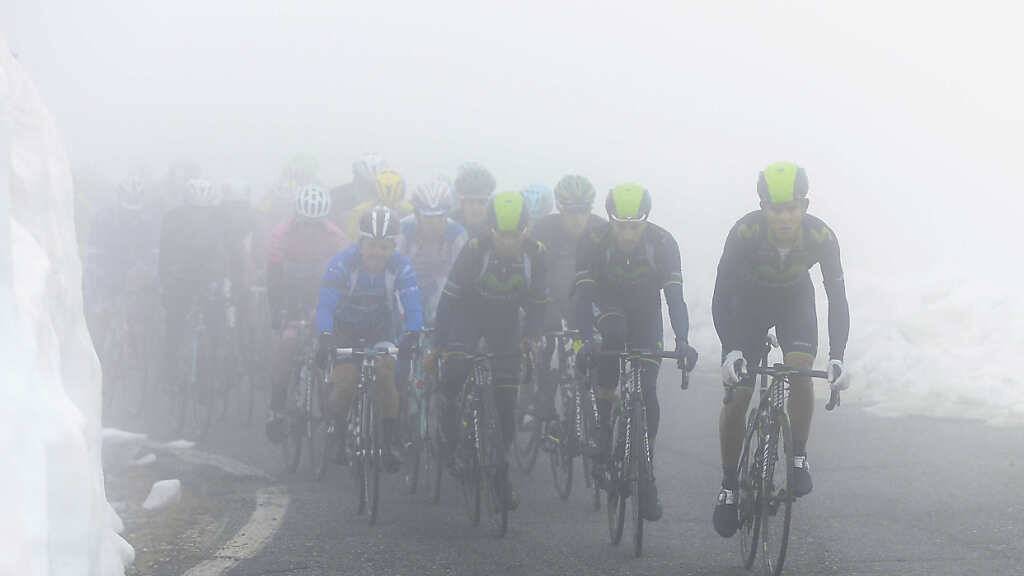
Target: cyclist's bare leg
343,388
285,347
730,428
801,400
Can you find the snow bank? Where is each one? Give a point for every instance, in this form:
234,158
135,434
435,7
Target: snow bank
163,494
56,518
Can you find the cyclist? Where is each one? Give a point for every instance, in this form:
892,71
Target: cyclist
362,188
474,186
560,233
622,268
539,201
494,277
193,256
764,281
299,250
120,265
359,296
431,240
390,193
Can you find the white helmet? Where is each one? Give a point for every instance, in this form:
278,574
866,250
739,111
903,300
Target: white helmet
433,198
202,193
313,202
366,168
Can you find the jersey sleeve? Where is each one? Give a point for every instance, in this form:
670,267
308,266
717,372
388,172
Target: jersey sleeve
459,280
583,290
671,268
408,292
331,294
537,294
835,289
726,282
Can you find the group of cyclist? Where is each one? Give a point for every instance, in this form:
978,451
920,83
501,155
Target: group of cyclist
463,266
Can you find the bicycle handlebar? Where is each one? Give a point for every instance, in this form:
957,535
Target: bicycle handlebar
364,352
645,355
783,371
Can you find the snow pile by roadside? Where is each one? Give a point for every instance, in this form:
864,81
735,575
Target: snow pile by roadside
56,518
947,347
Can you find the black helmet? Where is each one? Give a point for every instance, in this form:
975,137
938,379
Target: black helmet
379,222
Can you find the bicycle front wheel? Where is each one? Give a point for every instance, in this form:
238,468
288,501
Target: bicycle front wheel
637,473
616,504
561,459
373,459
776,495
470,472
748,501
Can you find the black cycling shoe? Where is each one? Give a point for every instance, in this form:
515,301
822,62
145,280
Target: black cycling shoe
650,504
802,484
726,518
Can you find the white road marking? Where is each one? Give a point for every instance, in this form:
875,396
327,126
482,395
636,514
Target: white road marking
266,519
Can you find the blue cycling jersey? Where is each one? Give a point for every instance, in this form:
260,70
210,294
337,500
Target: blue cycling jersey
357,300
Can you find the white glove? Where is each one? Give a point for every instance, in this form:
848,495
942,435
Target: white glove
837,378
734,367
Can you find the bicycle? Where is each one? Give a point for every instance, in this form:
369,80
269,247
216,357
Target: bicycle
630,465
202,364
573,433
420,449
530,429
362,446
305,410
765,495
481,464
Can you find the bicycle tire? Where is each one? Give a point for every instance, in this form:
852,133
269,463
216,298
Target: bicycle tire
562,465
616,499
777,501
747,503
635,475
372,457
469,479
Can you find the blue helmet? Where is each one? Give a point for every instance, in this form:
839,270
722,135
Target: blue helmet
539,200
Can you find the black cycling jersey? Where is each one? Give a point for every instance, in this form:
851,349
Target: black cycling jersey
752,265
607,277
479,276
560,257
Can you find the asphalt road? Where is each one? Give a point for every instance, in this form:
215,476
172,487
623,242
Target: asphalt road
892,496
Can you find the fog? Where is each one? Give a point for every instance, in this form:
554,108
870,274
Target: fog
907,116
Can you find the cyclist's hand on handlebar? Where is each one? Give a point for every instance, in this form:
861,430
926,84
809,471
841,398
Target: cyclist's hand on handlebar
687,360
838,380
734,368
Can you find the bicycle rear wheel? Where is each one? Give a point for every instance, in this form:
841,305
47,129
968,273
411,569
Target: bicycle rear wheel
777,496
747,502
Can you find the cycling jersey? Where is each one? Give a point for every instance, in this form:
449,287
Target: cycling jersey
480,277
432,262
297,256
755,274
355,301
193,250
560,261
630,282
